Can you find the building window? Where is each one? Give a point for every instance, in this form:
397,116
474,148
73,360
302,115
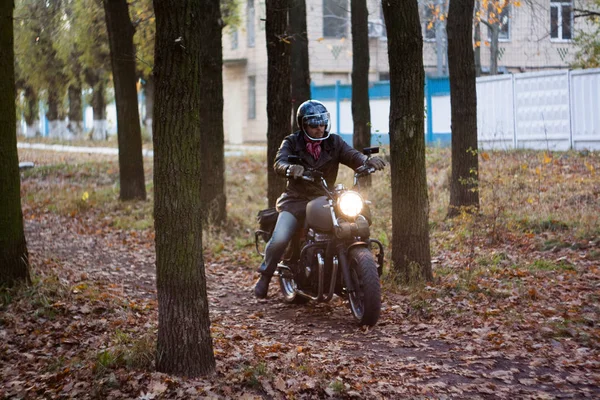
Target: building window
429,21
234,39
250,14
561,19
503,22
251,97
335,18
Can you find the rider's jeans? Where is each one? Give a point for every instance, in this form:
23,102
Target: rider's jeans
284,230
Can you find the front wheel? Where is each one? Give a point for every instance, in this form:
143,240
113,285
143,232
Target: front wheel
365,301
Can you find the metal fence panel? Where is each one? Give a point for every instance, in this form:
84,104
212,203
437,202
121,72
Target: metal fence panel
585,109
495,112
542,110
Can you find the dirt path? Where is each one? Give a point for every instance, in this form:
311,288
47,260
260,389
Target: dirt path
317,350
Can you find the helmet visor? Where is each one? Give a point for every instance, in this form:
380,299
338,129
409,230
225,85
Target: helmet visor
316,120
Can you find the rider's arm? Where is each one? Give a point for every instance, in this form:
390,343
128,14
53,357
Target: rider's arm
349,156
281,159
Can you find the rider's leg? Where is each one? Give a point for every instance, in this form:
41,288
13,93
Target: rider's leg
282,234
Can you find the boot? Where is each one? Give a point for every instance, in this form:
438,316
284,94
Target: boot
262,287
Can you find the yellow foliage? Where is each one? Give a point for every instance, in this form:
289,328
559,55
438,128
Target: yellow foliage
547,158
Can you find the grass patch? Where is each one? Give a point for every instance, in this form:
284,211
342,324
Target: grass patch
253,373
547,265
129,350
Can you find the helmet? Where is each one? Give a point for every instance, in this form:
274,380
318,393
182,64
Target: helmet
313,112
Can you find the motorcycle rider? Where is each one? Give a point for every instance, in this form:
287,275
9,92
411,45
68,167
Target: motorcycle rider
321,151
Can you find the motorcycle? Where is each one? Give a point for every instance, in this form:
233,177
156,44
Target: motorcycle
331,254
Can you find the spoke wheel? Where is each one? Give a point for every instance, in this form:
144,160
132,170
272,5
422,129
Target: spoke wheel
365,301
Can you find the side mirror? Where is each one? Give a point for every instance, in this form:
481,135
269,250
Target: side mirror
367,151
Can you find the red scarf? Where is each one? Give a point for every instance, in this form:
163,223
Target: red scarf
314,148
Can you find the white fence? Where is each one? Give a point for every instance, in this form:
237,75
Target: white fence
557,110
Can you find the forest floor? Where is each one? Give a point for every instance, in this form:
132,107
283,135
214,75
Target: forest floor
513,311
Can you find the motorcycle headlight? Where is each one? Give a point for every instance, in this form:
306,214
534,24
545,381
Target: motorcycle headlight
351,204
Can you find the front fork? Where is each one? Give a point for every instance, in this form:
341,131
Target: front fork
342,252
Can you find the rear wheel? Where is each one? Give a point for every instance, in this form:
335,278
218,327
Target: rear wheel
365,301
289,289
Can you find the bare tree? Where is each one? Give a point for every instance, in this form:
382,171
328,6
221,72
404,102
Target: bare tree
14,259
361,109
120,38
410,205
299,56
183,47
278,89
464,193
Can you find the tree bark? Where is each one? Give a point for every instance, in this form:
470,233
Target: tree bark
211,118
299,57
75,110
411,255
464,194
53,99
361,109
99,131
120,38
14,259
149,96
184,343
477,50
31,112
278,90
494,53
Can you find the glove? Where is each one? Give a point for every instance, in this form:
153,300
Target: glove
295,170
376,163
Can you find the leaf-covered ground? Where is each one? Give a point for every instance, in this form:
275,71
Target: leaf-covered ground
513,311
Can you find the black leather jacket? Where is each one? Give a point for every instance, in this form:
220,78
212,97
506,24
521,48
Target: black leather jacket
299,192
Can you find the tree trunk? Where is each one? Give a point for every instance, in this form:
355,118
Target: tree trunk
464,194
361,109
211,119
75,110
184,343
149,96
477,38
31,112
299,57
99,131
14,259
278,90
122,55
411,255
495,29
53,99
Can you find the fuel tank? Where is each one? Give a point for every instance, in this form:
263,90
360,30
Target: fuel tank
318,215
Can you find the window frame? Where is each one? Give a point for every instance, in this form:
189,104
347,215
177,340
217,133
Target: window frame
250,23
251,97
343,27
508,9
234,38
560,5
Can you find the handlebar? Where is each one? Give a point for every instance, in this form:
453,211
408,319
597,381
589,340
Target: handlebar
309,176
364,170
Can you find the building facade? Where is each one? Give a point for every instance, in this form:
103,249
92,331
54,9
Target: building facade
533,35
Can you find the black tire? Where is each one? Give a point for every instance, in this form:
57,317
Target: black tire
289,291
365,302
